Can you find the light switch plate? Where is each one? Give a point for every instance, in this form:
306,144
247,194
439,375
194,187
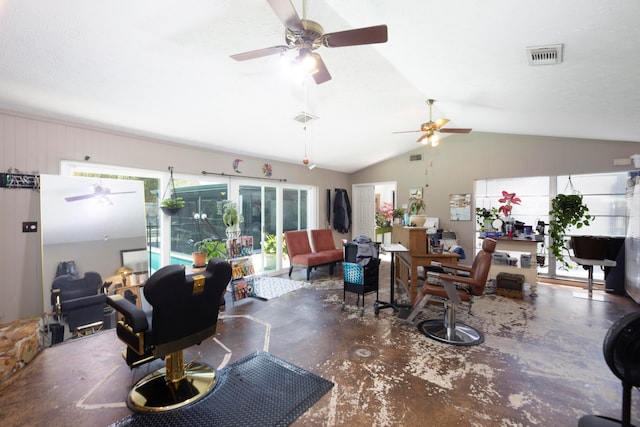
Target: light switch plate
29,226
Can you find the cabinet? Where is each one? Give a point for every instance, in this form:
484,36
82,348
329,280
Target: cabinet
518,246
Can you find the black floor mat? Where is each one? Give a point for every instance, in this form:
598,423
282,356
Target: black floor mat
257,390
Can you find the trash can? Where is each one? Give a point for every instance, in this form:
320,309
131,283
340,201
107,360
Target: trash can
57,333
614,276
109,318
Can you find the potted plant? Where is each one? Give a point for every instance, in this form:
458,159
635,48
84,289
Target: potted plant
397,214
485,217
172,205
206,249
417,209
567,210
269,248
231,217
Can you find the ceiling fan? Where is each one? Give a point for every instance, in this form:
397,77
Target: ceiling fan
98,191
306,36
432,129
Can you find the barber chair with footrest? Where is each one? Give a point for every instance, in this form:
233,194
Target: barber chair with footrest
456,285
184,313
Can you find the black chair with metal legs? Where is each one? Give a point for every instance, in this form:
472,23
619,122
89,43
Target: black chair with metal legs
621,350
184,313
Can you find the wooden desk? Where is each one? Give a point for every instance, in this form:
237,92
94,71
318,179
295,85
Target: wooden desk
406,268
406,264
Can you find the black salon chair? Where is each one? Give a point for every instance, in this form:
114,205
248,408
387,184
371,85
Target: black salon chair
184,312
621,350
80,302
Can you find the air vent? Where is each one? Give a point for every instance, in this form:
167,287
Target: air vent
415,157
304,117
545,55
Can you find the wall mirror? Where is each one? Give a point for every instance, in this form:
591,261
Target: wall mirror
97,223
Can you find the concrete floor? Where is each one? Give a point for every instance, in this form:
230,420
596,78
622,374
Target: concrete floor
541,363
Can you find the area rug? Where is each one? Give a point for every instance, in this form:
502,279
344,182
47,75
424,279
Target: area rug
257,390
266,287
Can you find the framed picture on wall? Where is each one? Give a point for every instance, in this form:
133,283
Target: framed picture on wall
460,207
415,193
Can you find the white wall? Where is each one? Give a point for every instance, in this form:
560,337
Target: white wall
35,145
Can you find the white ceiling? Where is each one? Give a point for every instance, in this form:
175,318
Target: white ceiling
161,68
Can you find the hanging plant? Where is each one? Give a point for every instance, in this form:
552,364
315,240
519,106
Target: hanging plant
567,210
173,204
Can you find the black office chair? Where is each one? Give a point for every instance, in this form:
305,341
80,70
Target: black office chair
621,350
80,302
184,313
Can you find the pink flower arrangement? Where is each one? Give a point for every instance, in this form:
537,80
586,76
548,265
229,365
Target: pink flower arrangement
508,199
386,211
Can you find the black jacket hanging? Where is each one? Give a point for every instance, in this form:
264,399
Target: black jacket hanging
341,211
328,208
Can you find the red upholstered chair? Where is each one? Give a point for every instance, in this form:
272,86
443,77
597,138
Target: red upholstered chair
462,283
300,253
322,241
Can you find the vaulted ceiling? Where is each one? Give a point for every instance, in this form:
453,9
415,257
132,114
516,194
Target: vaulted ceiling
162,69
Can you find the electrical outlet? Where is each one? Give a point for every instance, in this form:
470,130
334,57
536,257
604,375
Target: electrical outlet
29,226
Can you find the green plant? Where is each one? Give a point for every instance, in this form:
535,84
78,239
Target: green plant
270,244
173,202
417,205
483,214
230,214
398,213
566,211
211,248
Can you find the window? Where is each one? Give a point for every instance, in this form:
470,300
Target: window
267,210
605,194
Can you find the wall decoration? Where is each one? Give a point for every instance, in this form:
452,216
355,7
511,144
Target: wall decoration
415,193
236,165
460,207
19,180
267,169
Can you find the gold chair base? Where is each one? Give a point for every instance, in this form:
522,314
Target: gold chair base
154,394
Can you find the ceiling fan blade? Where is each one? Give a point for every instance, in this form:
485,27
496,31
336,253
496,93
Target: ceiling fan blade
455,130
407,131
322,75
423,137
259,53
122,192
359,36
439,123
76,198
287,14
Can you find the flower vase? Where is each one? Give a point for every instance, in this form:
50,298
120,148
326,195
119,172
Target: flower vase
233,233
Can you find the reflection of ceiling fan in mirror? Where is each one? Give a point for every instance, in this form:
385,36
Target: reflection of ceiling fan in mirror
98,191
432,129
306,36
